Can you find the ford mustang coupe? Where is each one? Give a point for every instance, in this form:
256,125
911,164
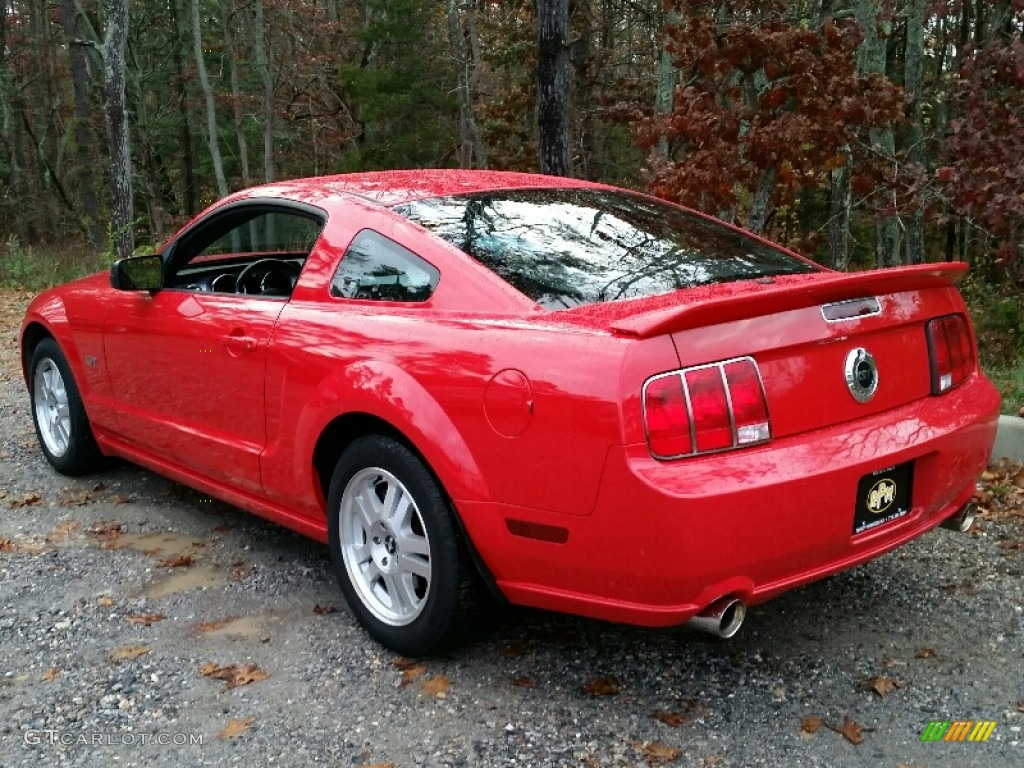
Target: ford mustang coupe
580,398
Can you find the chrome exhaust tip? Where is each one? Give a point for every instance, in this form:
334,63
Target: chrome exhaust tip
723,618
963,519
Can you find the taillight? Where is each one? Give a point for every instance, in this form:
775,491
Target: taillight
706,409
950,350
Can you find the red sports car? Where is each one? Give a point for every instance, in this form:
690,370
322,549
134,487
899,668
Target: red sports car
586,399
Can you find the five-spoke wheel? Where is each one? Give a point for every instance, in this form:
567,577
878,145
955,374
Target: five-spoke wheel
397,551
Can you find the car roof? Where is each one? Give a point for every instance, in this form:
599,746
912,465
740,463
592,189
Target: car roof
396,187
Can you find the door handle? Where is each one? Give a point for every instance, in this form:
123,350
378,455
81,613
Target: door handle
237,342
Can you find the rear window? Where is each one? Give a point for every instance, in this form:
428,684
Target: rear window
567,247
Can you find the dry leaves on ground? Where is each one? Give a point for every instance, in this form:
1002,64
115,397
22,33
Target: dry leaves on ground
10,547
105,601
436,686
106,532
235,728
411,670
27,500
233,675
144,619
50,675
602,686
925,653
810,724
657,753
1000,494
63,531
175,561
322,610
671,719
523,681
213,626
883,685
128,652
850,730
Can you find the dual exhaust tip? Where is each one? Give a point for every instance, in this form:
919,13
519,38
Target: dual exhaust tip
724,617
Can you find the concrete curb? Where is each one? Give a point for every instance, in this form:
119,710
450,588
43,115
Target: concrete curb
1009,439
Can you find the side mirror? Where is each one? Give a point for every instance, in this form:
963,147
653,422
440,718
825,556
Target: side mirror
138,273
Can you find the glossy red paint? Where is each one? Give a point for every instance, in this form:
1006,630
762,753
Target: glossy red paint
533,420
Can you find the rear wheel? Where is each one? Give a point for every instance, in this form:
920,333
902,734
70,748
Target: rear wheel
60,420
396,549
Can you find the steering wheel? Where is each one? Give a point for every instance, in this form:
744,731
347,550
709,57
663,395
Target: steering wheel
268,277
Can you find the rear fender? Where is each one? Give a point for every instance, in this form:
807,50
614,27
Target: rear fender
389,393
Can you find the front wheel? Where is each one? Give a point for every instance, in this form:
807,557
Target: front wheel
60,419
396,549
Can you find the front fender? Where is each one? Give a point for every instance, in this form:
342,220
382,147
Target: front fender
387,392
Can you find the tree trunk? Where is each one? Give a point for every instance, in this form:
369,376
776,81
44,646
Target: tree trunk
461,55
583,100
188,173
664,97
114,44
211,109
236,100
871,58
840,194
913,85
263,67
553,108
762,197
83,111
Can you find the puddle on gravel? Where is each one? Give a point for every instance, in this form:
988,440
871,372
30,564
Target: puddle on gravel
161,544
186,579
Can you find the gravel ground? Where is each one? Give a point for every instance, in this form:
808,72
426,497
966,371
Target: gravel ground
111,655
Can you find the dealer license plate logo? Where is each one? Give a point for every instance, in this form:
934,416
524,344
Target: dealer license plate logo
882,497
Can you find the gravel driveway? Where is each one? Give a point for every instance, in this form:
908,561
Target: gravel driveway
143,624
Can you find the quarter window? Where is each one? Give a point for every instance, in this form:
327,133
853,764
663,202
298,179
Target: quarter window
377,268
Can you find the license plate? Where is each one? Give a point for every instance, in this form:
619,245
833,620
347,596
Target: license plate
883,496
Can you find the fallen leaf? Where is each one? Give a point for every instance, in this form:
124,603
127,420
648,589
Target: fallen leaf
74,497
63,531
515,649
233,675
107,532
105,601
128,652
403,663
175,561
671,719
213,626
925,653
145,619
657,753
850,731
119,499
1020,705
9,547
321,610
410,674
602,686
235,728
523,681
50,675
436,686
712,760
882,685
99,487
810,724
29,499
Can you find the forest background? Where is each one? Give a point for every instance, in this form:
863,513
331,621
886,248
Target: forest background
862,133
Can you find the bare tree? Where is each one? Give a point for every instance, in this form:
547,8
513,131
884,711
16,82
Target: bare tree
211,110
263,67
554,108
114,44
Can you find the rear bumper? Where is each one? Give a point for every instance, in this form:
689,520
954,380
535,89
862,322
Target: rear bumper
666,539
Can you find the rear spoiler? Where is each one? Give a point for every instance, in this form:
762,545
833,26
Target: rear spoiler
820,289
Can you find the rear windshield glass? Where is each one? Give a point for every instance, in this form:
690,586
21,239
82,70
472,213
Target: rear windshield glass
566,247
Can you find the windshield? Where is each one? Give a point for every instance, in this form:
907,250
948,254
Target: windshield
567,247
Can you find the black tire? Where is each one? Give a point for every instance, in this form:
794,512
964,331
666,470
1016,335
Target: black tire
435,611
80,455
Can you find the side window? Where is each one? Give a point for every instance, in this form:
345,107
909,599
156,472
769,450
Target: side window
375,267
248,250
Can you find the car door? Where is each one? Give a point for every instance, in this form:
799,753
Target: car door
187,364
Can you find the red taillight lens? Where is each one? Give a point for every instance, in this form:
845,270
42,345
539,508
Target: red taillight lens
750,411
711,422
723,404
950,350
667,417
